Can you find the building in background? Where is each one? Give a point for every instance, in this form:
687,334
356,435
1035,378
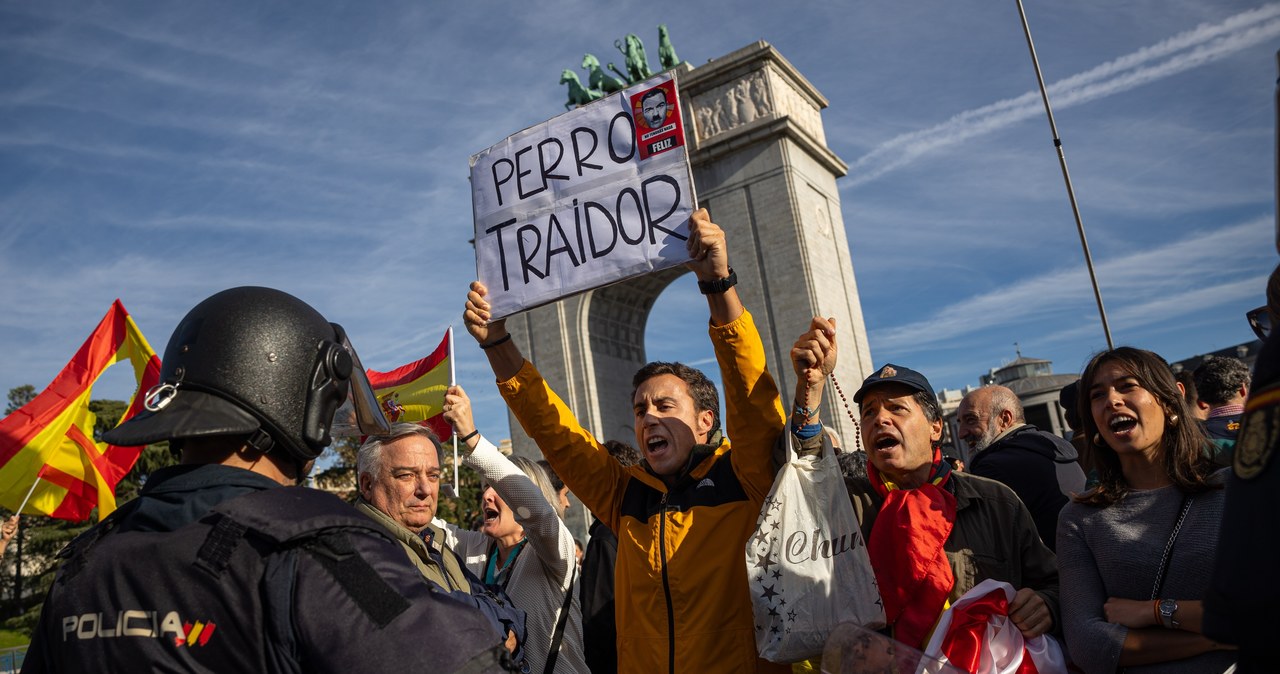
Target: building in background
1035,384
1037,387
1247,352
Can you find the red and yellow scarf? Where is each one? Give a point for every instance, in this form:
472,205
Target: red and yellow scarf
906,550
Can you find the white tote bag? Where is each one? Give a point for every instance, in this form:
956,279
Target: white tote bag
807,564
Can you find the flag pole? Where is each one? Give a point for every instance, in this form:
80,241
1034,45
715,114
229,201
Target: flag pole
1066,176
453,381
30,491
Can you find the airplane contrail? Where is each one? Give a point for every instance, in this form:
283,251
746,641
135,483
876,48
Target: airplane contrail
1193,48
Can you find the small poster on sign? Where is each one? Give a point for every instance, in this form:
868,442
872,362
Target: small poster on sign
595,196
657,119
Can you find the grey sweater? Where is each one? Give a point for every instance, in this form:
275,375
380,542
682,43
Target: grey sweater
1116,551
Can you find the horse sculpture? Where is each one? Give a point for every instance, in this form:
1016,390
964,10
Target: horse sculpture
637,62
578,95
666,52
597,79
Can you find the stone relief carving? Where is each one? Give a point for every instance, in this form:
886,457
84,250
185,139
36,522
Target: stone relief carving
801,111
732,105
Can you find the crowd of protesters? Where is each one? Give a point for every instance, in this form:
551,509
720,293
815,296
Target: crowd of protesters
1116,559
1135,542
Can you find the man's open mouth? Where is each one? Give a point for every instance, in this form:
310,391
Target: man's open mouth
887,442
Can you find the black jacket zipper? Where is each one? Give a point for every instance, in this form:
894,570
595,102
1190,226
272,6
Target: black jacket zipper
666,588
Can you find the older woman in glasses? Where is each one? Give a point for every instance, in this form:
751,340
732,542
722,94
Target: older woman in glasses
523,546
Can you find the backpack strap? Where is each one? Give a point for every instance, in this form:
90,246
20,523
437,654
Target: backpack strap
381,602
219,545
317,522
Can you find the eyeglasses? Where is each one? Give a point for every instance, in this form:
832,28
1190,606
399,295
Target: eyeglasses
1260,320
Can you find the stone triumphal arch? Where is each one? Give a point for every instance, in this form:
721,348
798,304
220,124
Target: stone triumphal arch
762,167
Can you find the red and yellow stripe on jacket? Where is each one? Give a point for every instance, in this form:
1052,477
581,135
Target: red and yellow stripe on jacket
681,594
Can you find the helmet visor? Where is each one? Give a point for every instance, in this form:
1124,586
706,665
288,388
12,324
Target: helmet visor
360,414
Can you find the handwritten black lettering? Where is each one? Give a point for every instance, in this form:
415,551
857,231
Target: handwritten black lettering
553,228
635,199
502,253
520,174
526,258
591,231
542,160
497,183
629,127
579,159
652,223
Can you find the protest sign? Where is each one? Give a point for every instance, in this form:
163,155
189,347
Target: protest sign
597,195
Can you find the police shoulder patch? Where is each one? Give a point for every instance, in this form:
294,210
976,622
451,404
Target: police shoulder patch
1259,433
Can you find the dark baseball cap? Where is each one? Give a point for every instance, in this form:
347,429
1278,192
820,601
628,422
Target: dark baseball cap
895,374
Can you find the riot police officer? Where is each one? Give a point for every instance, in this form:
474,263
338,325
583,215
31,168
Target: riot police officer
220,565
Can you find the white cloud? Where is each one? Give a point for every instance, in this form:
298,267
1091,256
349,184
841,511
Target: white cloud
1146,286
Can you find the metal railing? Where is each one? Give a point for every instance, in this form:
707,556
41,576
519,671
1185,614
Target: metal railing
11,659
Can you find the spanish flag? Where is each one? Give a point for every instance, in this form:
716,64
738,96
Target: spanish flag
49,441
415,392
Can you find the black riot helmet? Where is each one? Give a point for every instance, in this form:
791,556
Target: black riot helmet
255,362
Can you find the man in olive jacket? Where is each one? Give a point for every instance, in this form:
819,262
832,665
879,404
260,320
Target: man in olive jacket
399,480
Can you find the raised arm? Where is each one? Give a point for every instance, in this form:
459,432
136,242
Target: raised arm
709,261
813,358
504,356
577,457
754,417
547,534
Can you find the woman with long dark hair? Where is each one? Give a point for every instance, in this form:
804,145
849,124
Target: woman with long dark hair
1135,552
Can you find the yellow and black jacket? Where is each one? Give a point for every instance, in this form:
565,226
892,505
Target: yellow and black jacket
681,599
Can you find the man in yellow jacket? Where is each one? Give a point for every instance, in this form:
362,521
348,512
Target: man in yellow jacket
682,517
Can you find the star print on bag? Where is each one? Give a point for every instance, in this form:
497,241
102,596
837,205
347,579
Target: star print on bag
807,563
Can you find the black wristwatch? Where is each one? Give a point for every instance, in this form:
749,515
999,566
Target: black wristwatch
717,287
1167,608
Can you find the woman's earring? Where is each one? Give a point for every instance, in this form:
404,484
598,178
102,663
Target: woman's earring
1097,439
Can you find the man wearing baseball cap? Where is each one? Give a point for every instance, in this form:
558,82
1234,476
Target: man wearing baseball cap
932,534
962,529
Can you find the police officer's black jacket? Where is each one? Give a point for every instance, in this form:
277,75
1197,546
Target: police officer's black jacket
218,569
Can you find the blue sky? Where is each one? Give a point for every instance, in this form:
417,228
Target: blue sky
161,151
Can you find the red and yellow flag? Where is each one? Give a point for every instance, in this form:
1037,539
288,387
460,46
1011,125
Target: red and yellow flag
415,392
49,441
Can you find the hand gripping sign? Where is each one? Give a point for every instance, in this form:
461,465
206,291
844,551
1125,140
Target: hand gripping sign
595,196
